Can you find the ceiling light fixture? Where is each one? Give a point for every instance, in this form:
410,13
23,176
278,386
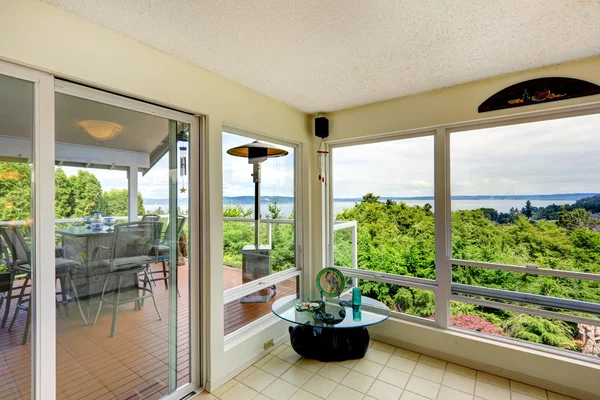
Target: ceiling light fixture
101,130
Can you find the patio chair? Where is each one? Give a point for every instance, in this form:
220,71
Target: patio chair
151,218
128,255
20,256
161,252
13,270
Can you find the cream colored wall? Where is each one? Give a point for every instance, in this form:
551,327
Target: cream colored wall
451,106
43,37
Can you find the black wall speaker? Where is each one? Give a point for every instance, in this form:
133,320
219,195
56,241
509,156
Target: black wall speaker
321,127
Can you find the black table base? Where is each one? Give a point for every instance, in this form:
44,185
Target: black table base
329,344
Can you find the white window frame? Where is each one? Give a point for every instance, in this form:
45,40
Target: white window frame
399,280
43,346
236,293
443,287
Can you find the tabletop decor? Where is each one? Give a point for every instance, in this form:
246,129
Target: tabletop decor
330,282
536,91
309,305
97,223
110,222
87,221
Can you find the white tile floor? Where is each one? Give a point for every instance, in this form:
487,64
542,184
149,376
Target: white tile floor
385,373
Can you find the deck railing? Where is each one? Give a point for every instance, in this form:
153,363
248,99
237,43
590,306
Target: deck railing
338,226
73,220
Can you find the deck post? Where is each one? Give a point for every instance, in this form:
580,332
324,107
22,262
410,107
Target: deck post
132,191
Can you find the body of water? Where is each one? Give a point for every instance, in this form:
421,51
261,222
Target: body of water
500,205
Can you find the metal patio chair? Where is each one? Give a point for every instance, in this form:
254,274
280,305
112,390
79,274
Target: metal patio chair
7,292
21,263
128,255
161,252
151,218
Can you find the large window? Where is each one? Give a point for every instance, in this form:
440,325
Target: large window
527,195
519,226
383,220
259,266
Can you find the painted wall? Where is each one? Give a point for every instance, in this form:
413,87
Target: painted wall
46,38
450,106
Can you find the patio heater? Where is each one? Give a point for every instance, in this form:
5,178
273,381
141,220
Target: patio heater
256,260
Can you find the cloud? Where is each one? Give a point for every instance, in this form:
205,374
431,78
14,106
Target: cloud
554,156
277,174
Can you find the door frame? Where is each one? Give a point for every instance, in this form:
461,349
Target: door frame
196,160
43,313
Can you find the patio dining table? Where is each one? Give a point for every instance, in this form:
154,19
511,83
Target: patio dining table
79,243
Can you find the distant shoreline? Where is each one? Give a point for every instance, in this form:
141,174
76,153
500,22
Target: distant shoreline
287,199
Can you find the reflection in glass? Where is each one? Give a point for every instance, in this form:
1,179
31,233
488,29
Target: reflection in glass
129,270
239,314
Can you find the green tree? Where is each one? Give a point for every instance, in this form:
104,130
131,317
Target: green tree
115,202
64,196
571,220
87,191
15,191
541,330
370,198
490,213
528,209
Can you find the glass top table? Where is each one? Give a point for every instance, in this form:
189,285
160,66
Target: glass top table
370,312
343,337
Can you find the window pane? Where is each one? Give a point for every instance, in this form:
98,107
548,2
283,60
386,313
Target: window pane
16,228
415,302
122,237
243,262
527,194
240,313
386,190
579,338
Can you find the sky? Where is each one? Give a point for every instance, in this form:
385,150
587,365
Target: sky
547,157
154,185
277,174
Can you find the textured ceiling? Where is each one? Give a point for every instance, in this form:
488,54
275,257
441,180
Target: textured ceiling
320,55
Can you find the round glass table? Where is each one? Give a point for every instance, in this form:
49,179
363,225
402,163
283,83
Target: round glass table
335,331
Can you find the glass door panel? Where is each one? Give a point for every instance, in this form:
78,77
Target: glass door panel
16,233
121,262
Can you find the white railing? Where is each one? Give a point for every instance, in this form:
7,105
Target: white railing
341,225
268,221
338,225
73,220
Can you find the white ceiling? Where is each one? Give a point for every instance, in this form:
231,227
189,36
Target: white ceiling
320,55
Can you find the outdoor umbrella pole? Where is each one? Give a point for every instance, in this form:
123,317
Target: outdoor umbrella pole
256,178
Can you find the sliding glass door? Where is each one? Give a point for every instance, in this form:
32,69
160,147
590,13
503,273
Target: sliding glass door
99,286
122,246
